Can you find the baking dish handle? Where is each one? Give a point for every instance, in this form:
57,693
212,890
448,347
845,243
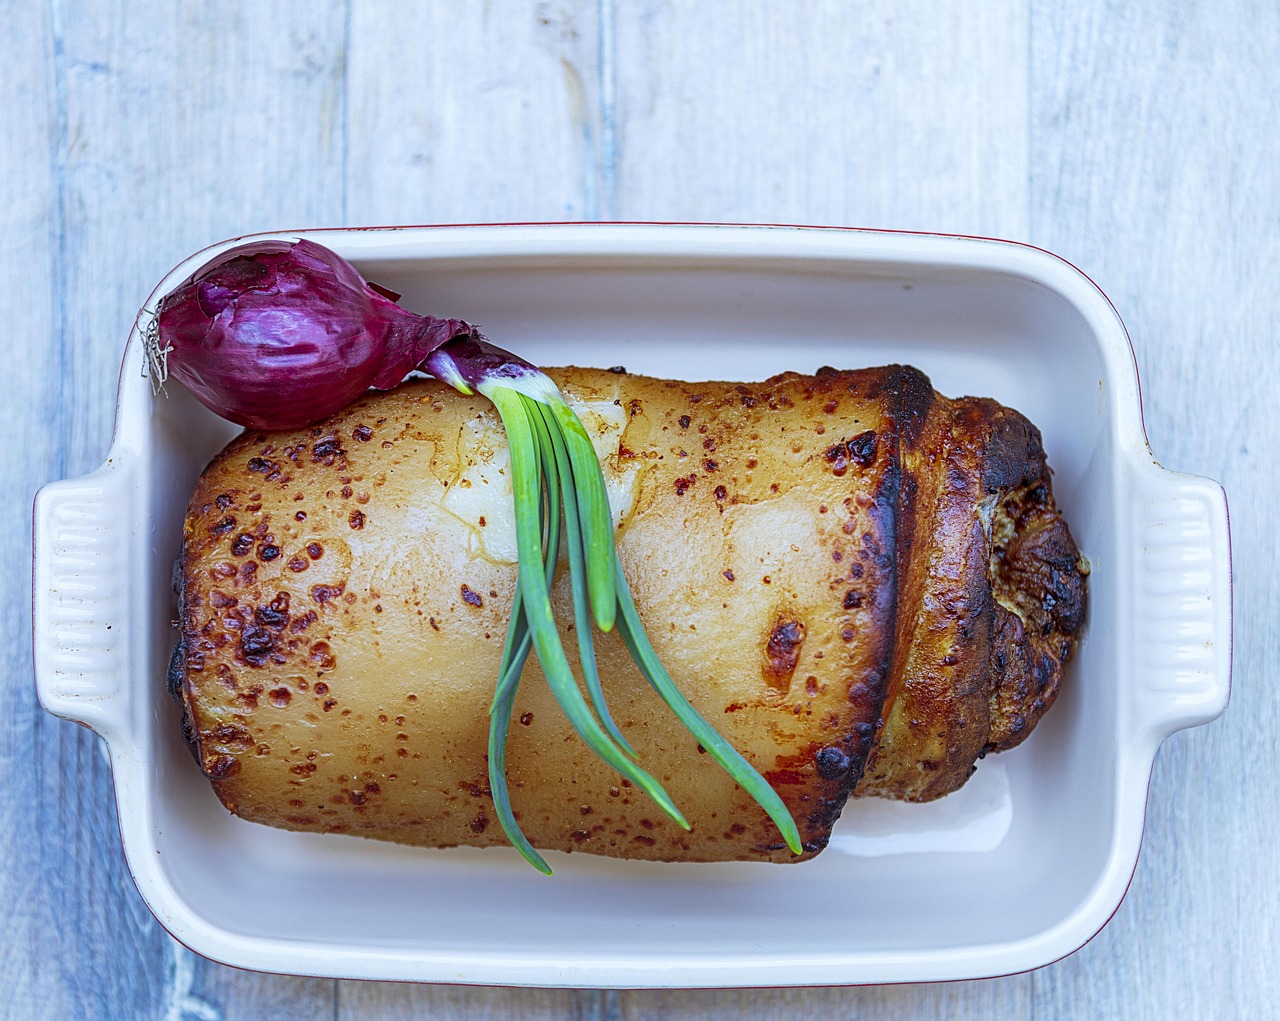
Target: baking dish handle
1181,601
81,595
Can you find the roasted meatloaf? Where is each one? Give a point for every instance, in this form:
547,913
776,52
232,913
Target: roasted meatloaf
864,585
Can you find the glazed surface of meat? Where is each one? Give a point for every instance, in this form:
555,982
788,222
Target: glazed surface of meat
863,585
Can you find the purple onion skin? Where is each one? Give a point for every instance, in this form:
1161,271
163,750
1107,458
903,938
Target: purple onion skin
277,335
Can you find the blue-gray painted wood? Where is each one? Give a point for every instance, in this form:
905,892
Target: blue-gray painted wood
1137,140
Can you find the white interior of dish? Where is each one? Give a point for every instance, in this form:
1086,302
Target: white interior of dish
1008,860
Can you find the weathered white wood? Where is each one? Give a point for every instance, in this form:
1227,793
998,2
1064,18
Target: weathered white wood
388,1001
487,113
1003,999
909,115
1137,140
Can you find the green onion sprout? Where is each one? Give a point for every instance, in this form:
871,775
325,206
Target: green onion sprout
560,498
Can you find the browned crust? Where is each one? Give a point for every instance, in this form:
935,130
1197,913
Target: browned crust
991,600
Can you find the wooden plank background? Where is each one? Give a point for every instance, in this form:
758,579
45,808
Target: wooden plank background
1137,139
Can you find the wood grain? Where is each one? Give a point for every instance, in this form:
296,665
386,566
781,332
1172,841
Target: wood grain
910,116
492,117
1137,140
394,1001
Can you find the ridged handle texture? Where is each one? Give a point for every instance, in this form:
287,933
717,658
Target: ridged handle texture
1182,601
81,596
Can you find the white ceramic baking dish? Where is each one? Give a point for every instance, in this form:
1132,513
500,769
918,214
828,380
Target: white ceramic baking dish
1018,869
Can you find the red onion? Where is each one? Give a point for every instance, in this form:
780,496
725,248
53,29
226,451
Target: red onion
278,335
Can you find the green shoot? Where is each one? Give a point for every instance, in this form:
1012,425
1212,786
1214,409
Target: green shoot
554,448
559,494
593,504
515,652
530,469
